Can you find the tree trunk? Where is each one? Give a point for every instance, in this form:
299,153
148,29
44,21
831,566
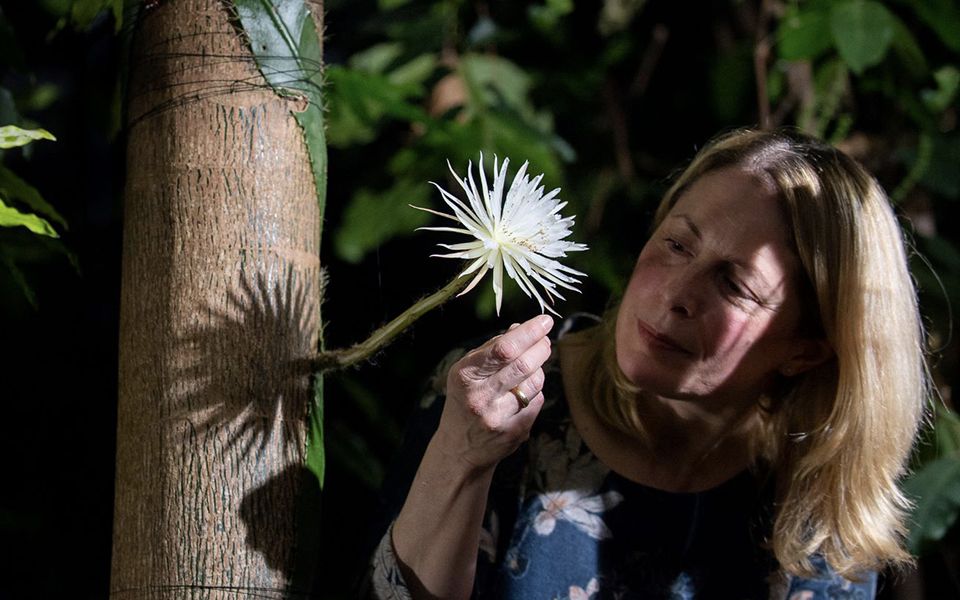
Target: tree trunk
219,317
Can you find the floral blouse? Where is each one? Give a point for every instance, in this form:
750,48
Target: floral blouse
561,525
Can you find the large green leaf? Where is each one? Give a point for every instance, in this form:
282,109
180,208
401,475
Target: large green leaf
804,34
905,46
11,217
943,17
12,187
359,100
936,491
492,79
12,136
862,32
374,217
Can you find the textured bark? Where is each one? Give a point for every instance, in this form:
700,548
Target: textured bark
219,316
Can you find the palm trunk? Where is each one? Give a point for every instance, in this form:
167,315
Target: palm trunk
221,289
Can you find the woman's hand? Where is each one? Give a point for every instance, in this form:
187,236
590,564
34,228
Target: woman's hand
483,421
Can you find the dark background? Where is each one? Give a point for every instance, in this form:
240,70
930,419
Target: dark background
628,111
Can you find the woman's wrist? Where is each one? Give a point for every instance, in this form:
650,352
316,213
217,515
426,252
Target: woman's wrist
460,466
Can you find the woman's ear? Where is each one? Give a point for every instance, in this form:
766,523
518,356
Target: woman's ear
810,353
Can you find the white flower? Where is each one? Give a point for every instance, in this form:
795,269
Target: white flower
581,508
522,233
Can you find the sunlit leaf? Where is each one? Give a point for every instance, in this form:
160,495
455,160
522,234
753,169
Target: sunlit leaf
11,217
84,12
948,81
14,188
377,58
862,32
12,136
415,71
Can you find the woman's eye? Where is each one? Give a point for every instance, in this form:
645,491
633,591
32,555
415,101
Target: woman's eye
733,286
675,246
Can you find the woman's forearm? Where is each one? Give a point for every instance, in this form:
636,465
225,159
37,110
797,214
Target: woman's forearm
437,533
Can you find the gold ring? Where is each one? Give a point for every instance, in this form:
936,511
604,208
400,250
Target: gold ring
521,397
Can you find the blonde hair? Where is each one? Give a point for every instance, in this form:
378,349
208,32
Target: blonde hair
838,437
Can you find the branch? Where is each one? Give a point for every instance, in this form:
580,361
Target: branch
347,357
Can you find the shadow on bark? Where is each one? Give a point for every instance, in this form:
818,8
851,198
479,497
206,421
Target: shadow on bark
259,336
258,510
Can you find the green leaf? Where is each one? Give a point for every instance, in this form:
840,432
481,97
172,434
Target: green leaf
286,47
862,32
415,71
280,33
84,12
943,17
804,34
15,188
492,79
377,58
12,136
18,277
349,449
40,97
372,218
11,217
316,458
358,101
905,46
948,81
936,491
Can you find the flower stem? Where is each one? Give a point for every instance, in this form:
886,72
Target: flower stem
346,357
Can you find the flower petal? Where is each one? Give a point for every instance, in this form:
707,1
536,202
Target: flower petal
520,231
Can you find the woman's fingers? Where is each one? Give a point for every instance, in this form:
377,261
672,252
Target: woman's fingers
501,351
521,368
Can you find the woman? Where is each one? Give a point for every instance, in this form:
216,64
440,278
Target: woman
735,428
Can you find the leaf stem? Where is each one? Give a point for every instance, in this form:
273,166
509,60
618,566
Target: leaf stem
347,357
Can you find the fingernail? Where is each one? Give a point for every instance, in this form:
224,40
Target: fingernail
514,326
546,322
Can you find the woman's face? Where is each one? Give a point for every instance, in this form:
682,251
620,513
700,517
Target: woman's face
712,308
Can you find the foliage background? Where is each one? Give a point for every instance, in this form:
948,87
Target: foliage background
606,98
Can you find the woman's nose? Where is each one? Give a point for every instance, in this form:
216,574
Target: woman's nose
681,293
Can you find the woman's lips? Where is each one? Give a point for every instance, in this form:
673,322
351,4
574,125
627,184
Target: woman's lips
659,340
